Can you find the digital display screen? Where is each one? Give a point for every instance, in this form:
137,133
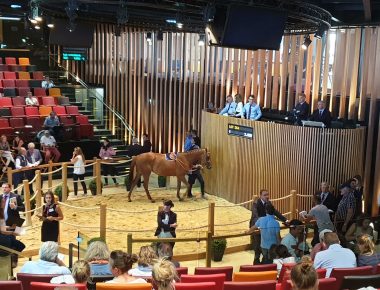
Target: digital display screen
240,131
69,53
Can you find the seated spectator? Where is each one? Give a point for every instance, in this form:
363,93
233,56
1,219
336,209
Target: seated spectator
294,239
367,253
97,255
48,144
80,274
164,275
321,246
211,108
251,110
230,107
270,232
30,100
53,124
47,83
49,263
282,257
121,263
147,257
17,143
303,275
239,106
321,114
335,256
165,251
5,152
357,229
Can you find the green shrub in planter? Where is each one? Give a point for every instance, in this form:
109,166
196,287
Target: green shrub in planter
92,187
58,192
218,248
161,181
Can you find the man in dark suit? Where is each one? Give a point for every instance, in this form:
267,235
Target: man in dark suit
321,114
302,109
134,149
12,204
258,210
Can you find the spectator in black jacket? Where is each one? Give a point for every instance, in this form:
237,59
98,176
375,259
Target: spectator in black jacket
321,114
147,145
302,109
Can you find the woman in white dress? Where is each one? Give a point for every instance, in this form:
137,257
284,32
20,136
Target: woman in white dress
79,169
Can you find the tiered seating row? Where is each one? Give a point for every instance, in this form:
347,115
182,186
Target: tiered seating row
13,64
13,88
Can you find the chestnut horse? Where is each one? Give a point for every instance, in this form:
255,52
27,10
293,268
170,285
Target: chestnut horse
147,162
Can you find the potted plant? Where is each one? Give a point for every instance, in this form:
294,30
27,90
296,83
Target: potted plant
58,192
161,181
92,187
218,248
127,183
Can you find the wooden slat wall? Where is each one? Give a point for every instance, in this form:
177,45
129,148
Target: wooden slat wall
273,160
162,89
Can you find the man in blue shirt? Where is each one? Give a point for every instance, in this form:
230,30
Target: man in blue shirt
270,232
251,110
230,108
53,124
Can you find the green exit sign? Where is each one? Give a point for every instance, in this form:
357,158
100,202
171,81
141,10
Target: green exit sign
74,56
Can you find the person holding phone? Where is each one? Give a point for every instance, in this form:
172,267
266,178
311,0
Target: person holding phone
79,170
51,215
166,222
12,205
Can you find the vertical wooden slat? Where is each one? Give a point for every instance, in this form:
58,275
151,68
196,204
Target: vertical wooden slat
344,84
261,95
354,75
309,66
268,79
300,69
291,88
255,67
326,66
316,74
276,80
284,71
364,78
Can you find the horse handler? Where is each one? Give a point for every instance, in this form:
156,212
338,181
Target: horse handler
195,173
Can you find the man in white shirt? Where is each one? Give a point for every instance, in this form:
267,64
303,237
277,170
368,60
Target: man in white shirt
335,256
47,83
48,144
292,240
30,100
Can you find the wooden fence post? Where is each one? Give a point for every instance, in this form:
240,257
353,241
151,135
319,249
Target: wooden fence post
208,249
211,217
98,177
129,243
64,182
103,220
10,176
38,188
50,175
94,173
28,215
293,204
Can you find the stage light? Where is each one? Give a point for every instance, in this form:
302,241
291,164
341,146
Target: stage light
306,42
15,6
160,36
171,21
37,27
10,18
201,40
179,25
320,32
50,25
34,21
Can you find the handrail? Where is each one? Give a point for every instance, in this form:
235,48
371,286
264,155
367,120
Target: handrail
79,80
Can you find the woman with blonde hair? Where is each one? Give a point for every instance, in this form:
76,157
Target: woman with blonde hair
367,253
164,275
97,255
80,274
147,257
303,275
79,170
239,106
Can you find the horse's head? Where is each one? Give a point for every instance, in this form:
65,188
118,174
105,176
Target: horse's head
208,159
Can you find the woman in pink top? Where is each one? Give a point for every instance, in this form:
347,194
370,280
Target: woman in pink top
106,153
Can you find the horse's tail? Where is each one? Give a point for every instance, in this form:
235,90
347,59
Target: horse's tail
132,169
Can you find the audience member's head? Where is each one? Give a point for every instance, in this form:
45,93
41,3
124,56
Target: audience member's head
317,199
366,245
296,227
264,195
238,98
358,180
147,256
49,252
322,235
324,186
121,262
304,276
321,105
282,252
49,197
269,209
345,188
165,251
81,271
301,97
251,99
229,99
363,221
31,146
331,239
97,251
164,274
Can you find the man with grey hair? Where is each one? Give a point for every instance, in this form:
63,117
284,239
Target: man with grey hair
321,114
48,262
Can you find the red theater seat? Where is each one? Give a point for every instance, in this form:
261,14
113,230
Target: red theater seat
72,130
26,279
32,112
18,124
72,110
60,110
10,60
22,83
324,284
86,129
5,112
5,128
7,83
258,268
5,102
23,75
48,286
228,270
3,67
11,285
339,273
18,101
39,92
285,267
38,75
23,92
63,101
9,75
44,111
1,75
18,111
262,285
195,286
9,92
23,61
130,286
48,101
217,278
35,122
182,271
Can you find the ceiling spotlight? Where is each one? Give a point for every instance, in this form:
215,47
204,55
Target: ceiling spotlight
15,6
306,42
50,25
37,27
209,13
201,40
171,21
179,25
71,27
34,21
160,36
149,37
38,18
320,32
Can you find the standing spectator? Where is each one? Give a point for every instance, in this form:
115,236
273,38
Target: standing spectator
121,263
147,145
303,275
17,143
230,108
134,149
106,153
346,209
358,193
327,198
321,114
47,83
282,256
302,109
30,100
5,152
196,174
196,138
239,106
335,256
294,239
147,257
188,142
12,205
269,230
49,263
22,163
97,255
79,170
258,210
367,253
51,215
80,274
251,110
164,275
48,144
321,246
166,222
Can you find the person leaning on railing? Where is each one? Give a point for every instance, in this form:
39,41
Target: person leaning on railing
106,153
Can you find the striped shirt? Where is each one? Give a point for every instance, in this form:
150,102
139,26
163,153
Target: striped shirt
348,201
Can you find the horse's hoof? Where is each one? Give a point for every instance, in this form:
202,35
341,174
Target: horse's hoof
129,200
152,201
180,199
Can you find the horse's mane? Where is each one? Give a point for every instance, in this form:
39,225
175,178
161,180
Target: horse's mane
192,151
